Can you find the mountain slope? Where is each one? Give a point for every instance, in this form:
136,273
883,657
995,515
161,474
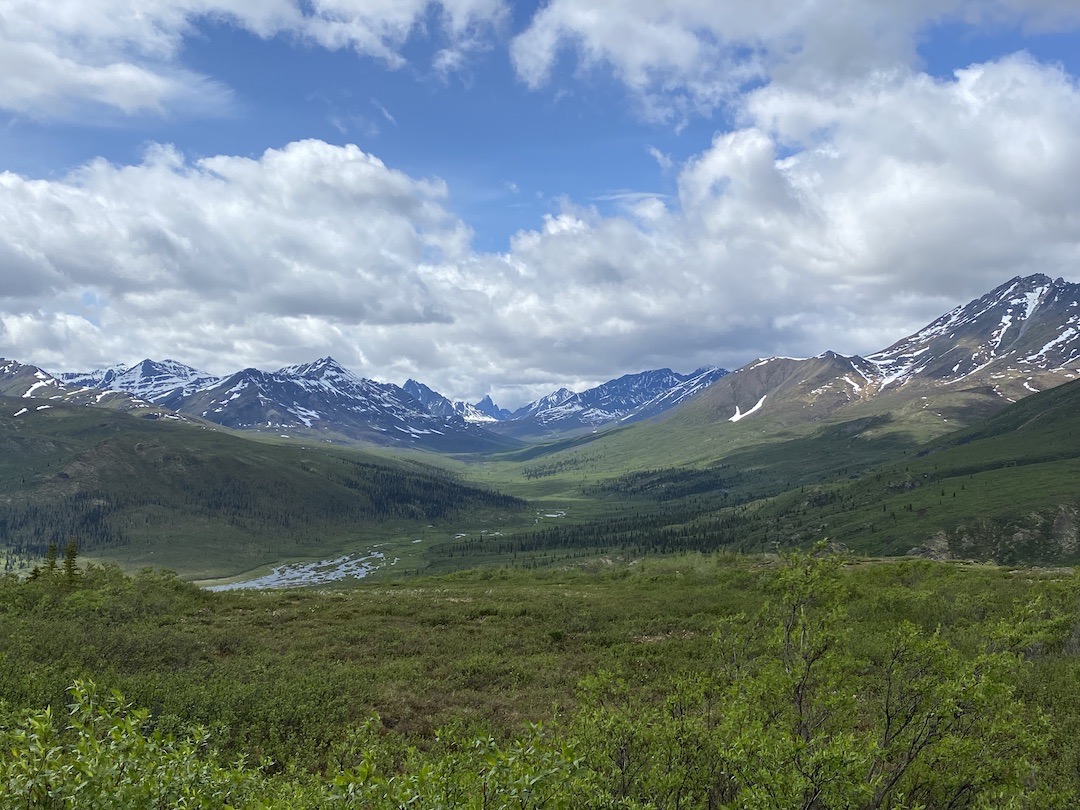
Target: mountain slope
439,405
32,383
487,407
203,502
1003,489
164,382
629,398
963,367
326,399
319,398
1018,339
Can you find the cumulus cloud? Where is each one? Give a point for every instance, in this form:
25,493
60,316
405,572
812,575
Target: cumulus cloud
826,221
833,222
64,58
686,57
680,58
311,233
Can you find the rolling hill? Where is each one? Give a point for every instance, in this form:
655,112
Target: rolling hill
204,502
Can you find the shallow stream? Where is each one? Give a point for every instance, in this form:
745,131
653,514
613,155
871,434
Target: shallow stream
323,572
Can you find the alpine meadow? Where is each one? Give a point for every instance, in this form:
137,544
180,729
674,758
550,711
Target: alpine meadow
480,405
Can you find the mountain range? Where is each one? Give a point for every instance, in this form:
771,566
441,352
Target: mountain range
916,448
325,399
630,398
1018,339
1022,337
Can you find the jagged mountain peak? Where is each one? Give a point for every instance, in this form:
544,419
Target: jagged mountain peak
552,400
1019,338
627,398
416,388
1026,322
98,378
30,382
440,405
318,369
326,398
435,402
488,407
158,381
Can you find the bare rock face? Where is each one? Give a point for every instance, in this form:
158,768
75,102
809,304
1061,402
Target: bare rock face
935,548
1046,536
1064,529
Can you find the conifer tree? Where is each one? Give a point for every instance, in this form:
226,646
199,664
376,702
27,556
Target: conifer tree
71,551
50,558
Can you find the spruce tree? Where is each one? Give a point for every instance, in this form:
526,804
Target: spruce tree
71,550
50,558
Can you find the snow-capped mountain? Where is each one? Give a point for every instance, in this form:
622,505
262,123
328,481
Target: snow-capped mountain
545,403
101,378
32,383
488,408
164,382
472,414
321,397
327,398
1010,339
441,406
692,384
627,399
1020,338
432,400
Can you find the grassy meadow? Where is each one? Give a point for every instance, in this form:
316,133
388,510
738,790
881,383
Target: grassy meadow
341,698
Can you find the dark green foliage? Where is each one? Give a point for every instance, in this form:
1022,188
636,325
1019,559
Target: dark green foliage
1003,490
707,682
203,501
71,552
50,558
104,756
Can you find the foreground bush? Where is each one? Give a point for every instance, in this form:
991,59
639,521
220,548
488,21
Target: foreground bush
790,708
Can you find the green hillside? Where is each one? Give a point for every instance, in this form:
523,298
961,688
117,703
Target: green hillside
1003,489
204,502
210,504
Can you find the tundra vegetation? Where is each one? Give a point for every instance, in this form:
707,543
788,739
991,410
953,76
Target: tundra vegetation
694,681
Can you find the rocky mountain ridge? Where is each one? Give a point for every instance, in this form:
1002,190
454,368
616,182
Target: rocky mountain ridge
1020,338
630,398
323,398
23,381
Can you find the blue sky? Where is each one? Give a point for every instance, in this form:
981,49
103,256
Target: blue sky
507,198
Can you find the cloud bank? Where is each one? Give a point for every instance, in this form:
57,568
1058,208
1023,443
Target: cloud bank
687,57
68,58
831,218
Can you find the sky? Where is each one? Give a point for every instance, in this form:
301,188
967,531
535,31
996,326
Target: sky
506,198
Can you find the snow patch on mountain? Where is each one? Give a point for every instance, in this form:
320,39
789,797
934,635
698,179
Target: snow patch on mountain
149,380
628,398
739,416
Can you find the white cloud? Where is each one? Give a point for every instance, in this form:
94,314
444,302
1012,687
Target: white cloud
663,160
834,219
308,233
60,59
683,57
